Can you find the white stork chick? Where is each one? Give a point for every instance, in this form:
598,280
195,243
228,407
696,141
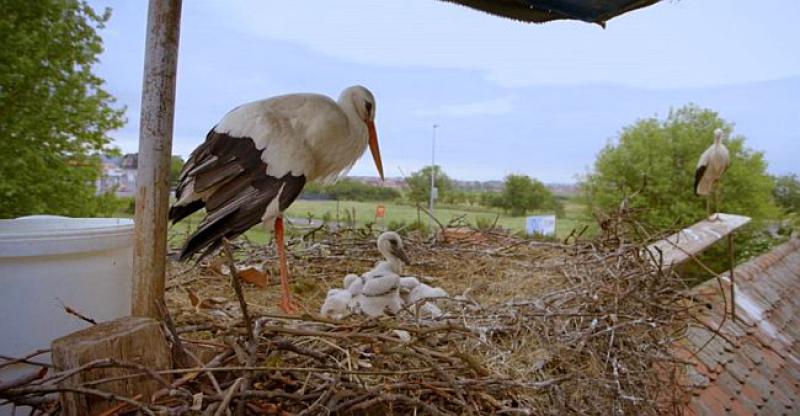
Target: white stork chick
407,284
380,294
337,304
391,246
422,293
380,291
712,165
256,160
353,283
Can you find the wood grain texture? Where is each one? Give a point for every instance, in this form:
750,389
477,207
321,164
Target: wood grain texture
130,339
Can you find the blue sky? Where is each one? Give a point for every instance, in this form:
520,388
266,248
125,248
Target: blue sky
509,97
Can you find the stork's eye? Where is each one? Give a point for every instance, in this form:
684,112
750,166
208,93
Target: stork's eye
393,242
368,106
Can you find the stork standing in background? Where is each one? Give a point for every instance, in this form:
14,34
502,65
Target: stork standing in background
256,160
712,165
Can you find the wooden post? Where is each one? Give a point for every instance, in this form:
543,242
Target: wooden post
130,341
155,151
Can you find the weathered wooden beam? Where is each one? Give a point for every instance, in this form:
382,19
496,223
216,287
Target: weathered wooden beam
155,151
684,244
130,341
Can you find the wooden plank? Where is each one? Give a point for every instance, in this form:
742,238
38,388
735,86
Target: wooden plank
684,244
155,151
130,339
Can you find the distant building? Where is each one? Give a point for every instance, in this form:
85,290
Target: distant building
560,189
479,186
130,161
119,175
111,175
394,183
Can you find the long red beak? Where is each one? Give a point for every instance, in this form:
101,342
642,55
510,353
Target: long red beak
373,147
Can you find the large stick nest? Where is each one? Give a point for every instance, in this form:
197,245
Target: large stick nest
585,327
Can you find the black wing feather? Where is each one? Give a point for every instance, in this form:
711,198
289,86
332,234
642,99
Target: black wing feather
239,190
698,175
177,213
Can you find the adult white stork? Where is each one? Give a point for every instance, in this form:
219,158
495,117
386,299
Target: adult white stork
712,165
256,160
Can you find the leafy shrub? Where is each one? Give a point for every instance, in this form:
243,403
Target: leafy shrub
522,194
419,184
485,223
108,205
653,162
787,192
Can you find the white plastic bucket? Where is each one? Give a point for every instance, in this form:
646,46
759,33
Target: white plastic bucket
49,261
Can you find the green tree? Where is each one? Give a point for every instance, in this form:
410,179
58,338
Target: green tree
472,197
491,199
419,184
54,112
176,165
787,192
653,163
455,197
521,194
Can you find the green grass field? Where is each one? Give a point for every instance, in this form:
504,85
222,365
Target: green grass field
301,210
395,212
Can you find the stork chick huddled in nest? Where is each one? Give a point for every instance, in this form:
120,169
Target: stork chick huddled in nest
382,289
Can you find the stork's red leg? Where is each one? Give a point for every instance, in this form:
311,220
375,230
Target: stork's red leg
286,295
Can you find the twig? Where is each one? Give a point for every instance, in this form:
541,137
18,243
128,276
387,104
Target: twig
43,390
75,313
436,220
26,359
228,396
114,410
181,353
22,379
237,287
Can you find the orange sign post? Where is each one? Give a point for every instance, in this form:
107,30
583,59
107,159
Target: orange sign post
380,216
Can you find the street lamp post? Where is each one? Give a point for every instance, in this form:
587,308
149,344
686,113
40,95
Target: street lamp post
434,193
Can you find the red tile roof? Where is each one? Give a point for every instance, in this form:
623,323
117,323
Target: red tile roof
753,366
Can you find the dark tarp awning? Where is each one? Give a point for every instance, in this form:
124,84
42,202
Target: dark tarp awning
540,11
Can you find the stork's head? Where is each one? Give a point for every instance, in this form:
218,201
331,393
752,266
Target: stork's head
363,103
391,246
719,134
